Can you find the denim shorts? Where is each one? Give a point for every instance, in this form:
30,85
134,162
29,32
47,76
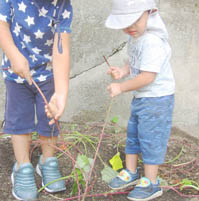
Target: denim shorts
149,128
24,109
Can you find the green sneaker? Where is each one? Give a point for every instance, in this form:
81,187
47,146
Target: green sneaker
23,181
49,171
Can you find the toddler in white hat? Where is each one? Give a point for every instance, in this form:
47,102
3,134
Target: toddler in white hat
153,86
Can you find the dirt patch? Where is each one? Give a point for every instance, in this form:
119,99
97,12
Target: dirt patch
182,162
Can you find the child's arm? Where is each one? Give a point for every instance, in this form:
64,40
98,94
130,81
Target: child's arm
118,73
61,69
19,64
141,80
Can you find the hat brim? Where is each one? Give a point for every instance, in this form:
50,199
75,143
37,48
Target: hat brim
122,21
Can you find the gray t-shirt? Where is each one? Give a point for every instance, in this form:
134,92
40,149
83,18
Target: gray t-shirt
152,54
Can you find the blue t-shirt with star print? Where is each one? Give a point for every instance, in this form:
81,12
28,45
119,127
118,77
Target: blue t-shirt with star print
33,24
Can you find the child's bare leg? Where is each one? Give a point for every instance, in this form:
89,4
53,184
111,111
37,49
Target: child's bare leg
21,146
131,162
47,149
151,172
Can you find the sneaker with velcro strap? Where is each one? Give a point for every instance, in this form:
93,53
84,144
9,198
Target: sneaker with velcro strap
145,190
124,179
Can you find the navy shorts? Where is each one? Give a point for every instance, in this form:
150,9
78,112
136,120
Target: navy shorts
24,110
149,128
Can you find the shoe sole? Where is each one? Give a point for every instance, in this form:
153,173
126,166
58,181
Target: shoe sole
13,193
157,194
38,171
126,185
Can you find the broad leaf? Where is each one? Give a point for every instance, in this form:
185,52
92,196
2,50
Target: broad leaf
108,174
116,162
84,163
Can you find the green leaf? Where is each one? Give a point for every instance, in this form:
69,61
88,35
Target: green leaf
187,182
116,162
84,163
74,188
114,120
80,179
108,174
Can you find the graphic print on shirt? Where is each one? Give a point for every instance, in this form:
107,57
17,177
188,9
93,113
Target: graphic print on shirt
135,60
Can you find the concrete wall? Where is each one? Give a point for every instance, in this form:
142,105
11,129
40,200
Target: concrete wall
88,99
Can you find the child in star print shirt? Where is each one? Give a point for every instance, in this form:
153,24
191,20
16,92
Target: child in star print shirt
34,36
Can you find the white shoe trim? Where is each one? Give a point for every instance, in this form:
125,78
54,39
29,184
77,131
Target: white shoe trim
155,195
38,171
13,193
125,185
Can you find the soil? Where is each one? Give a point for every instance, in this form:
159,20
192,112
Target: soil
182,149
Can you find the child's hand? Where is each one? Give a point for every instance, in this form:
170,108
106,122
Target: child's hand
116,72
20,66
114,89
55,107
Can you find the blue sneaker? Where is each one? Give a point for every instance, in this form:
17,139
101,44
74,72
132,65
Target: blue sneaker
124,178
145,190
23,181
49,171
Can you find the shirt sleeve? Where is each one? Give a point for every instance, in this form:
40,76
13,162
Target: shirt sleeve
153,55
5,11
65,18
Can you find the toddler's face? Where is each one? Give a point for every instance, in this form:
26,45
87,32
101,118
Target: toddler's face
139,27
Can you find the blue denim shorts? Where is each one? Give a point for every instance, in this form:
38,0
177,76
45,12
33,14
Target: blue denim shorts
24,105
149,128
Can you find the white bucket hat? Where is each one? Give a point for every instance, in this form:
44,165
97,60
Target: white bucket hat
126,12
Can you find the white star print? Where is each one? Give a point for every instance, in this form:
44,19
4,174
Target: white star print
2,62
66,14
17,29
22,7
48,56
22,45
26,38
19,80
33,58
4,75
32,72
43,12
39,41
10,70
36,50
5,58
41,78
54,13
3,17
50,23
54,2
39,34
49,42
30,20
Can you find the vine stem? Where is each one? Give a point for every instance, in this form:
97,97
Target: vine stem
100,140
99,195
97,150
46,102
